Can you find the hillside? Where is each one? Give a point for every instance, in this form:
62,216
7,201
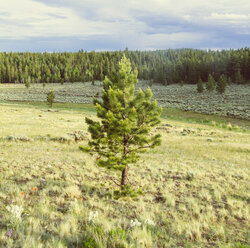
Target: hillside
193,189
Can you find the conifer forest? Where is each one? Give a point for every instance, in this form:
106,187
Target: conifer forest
163,66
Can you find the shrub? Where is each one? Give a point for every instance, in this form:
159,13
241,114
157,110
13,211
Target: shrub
50,98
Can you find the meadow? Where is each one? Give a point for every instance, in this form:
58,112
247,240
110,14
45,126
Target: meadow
192,191
233,103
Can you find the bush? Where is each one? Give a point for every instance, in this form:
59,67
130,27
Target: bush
50,98
89,242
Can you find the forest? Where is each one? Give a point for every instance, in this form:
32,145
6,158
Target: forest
161,66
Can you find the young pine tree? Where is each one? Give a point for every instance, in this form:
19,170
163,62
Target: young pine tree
200,86
126,120
239,78
221,85
50,98
28,82
181,83
210,83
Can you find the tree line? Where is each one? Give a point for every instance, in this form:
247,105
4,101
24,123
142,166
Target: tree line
161,66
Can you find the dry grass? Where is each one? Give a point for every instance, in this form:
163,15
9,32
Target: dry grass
195,187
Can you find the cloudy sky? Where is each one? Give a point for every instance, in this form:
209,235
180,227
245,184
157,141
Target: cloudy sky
70,25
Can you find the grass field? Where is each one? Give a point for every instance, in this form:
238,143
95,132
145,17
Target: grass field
193,189
234,102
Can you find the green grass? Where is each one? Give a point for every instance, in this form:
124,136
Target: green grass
60,106
168,113
195,185
210,120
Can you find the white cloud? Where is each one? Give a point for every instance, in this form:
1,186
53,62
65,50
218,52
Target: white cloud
27,18
138,24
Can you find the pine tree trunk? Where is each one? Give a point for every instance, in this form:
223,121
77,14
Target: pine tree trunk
124,180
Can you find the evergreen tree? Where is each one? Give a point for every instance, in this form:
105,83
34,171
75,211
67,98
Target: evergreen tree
27,82
221,85
200,86
238,78
210,85
181,83
229,81
50,98
125,124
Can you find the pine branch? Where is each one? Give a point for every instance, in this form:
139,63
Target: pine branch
139,148
112,179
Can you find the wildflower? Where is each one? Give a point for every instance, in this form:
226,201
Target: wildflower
93,215
9,233
34,189
149,222
23,194
15,210
134,223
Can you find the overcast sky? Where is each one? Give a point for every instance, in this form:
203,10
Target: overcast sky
71,25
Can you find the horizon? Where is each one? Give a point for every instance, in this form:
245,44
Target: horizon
133,50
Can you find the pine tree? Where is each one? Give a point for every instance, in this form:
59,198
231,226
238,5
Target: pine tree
28,82
221,85
229,81
210,83
50,98
126,119
200,86
238,78
181,83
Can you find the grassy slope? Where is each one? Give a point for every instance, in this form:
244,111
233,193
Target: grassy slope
196,185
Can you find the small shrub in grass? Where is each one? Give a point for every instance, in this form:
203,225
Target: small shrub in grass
229,126
117,238
89,242
213,123
236,127
117,233
190,176
50,98
127,190
239,245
